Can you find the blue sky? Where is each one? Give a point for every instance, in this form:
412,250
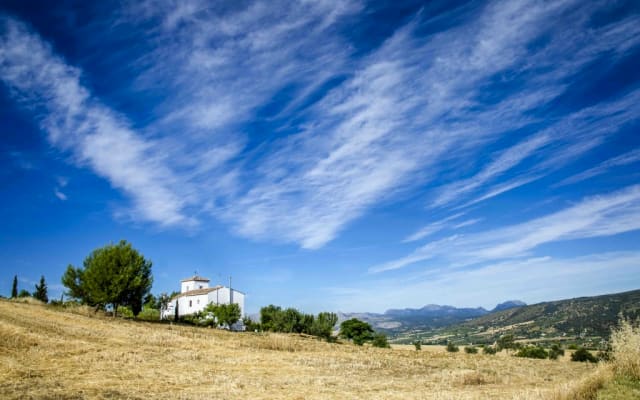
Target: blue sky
329,155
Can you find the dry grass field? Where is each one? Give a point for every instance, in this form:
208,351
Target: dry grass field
51,354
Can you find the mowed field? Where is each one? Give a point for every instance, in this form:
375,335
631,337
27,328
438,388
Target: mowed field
51,354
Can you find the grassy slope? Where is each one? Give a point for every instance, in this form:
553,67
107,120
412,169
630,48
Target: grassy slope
45,353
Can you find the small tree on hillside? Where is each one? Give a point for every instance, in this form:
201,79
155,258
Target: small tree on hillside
357,331
114,274
380,340
14,287
506,342
24,293
226,314
41,291
323,324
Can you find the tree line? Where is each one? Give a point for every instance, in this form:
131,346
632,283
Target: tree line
39,293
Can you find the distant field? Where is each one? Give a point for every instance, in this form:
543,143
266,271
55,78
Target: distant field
50,354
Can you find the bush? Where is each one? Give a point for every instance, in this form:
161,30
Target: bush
418,345
573,346
532,352
470,349
452,348
555,352
380,340
583,355
625,345
356,330
489,350
506,342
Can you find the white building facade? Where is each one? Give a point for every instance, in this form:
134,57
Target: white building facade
195,295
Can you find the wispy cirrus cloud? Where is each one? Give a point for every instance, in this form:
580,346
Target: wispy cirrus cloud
628,158
288,134
76,121
546,277
597,216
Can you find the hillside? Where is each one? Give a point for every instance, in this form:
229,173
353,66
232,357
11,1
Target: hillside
46,353
584,319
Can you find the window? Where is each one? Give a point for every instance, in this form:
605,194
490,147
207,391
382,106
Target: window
198,301
189,303
200,286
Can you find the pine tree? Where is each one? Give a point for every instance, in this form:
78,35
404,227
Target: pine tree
41,291
14,288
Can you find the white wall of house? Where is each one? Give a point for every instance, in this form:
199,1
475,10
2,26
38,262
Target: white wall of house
192,285
223,296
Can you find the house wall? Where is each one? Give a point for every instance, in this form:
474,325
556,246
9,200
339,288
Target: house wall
222,296
192,285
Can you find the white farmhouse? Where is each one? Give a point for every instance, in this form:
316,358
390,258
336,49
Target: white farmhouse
195,295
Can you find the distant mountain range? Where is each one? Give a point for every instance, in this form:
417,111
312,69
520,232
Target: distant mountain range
583,319
428,317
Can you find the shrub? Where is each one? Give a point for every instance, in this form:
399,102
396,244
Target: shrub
470,349
583,355
452,348
532,352
555,352
573,346
356,330
418,345
625,345
380,340
489,350
506,342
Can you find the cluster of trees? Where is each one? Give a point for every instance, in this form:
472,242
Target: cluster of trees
39,293
216,315
289,320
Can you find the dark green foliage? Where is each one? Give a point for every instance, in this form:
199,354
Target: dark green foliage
573,346
24,293
583,355
452,348
380,340
290,320
470,349
323,324
14,287
418,345
357,331
251,325
555,351
489,350
41,291
506,342
532,352
114,274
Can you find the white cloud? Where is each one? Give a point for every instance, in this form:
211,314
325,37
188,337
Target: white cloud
627,158
396,120
597,216
76,121
493,283
60,195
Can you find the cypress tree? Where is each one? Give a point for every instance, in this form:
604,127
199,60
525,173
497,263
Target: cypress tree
14,288
41,291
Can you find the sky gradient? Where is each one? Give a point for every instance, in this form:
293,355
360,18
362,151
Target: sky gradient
328,155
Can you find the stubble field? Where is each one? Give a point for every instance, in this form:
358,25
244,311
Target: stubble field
50,354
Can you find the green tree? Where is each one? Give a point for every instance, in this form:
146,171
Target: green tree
225,314
14,288
583,355
506,342
357,331
418,345
41,291
452,348
269,317
380,340
114,274
323,324
24,293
